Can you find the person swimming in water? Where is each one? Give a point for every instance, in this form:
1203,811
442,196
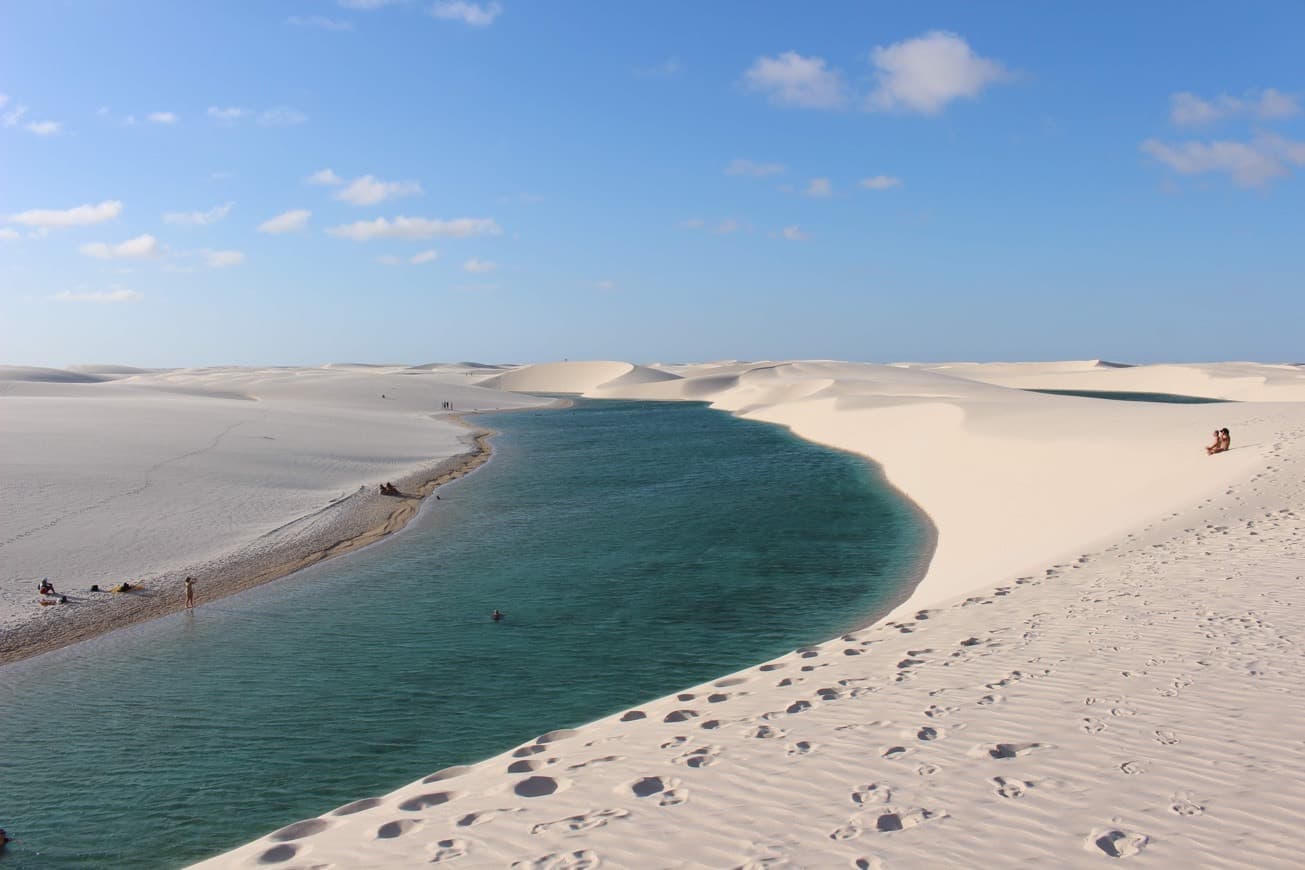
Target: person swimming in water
497,615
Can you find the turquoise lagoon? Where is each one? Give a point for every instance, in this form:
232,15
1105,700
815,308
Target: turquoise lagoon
636,548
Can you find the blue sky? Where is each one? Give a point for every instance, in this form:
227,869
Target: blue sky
649,181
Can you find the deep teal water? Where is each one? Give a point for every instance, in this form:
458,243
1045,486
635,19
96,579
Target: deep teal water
636,548
1125,396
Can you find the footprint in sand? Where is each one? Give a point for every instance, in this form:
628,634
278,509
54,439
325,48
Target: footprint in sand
538,786
1116,843
703,756
1166,738
425,801
1182,804
1133,768
874,793
766,732
447,850
581,859
484,817
802,747
397,828
850,831
1011,788
927,769
1010,750
1093,726
277,854
667,790
901,820
892,753
583,822
299,830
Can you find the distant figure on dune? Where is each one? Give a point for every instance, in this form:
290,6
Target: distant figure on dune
388,488
190,593
46,587
1222,442
124,586
497,615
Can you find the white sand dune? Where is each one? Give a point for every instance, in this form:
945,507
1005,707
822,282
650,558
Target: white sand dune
1102,662
212,472
576,377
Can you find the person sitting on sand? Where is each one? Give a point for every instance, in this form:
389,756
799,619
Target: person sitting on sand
124,586
1226,438
388,488
46,587
1218,442
63,599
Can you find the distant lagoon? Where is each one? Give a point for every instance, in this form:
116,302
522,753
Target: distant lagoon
636,548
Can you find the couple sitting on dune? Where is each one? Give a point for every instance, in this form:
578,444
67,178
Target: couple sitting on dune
1222,442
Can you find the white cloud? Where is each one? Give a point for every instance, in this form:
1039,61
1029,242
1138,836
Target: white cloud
415,228
789,79
366,4
4,100
82,215
605,285
820,188
479,266
370,190
747,167
229,115
113,294
13,116
161,118
221,175
44,128
424,257
692,224
473,14
198,218
222,259
926,73
881,182
389,260
726,227
1187,109
286,222
320,22
7,234
140,248
794,234
281,116
1250,164
325,177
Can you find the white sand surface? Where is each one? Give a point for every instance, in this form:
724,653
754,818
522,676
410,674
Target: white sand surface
1102,663
230,474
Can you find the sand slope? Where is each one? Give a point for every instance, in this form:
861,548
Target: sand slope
1102,663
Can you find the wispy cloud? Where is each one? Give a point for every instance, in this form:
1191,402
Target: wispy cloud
880,182
281,116
692,224
286,222
222,259
161,118
227,115
748,167
13,116
43,128
366,4
8,234
789,79
198,218
115,293
1249,164
666,69
795,234
472,14
1187,109
727,226
415,228
479,267
324,177
82,215
424,257
926,73
819,188
369,190
142,247
320,22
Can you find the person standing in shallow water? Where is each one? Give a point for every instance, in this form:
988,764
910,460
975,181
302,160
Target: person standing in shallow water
190,593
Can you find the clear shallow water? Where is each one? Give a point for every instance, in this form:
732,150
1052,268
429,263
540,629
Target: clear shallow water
636,549
1125,396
